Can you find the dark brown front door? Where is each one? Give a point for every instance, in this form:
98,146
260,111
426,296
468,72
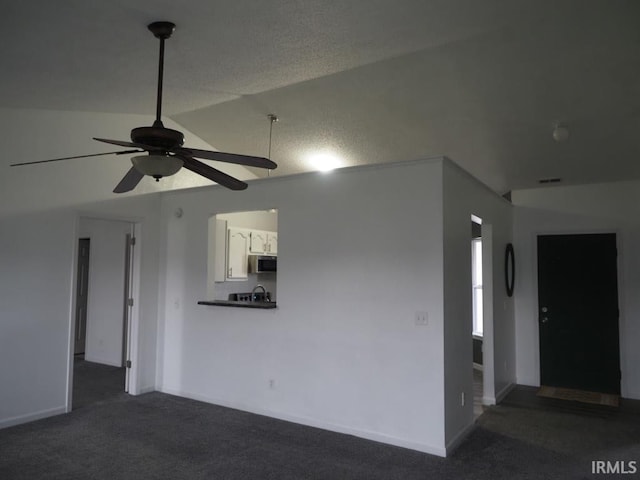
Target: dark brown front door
578,312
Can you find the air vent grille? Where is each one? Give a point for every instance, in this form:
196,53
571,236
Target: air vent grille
549,180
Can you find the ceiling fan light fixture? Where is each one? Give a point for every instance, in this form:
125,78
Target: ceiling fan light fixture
157,166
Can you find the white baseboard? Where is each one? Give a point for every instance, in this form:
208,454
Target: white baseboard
457,440
30,417
89,358
504,392
144,390
310,422
488,400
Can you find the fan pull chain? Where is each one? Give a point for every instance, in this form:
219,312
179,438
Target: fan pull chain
272,119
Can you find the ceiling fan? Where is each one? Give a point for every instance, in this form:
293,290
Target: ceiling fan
165,153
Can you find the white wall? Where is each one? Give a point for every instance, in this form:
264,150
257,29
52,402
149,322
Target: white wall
611,207
105,303
360,252
465,196
36,263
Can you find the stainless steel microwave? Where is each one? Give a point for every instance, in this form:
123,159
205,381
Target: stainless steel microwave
263,263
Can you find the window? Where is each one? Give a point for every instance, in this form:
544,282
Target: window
476,285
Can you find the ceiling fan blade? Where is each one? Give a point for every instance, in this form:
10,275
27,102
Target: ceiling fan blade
129,181
125,144
246,160
77,156
212,173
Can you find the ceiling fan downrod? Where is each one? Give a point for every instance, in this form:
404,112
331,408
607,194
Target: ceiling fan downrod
162,31
157,136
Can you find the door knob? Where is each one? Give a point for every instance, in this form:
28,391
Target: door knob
545,309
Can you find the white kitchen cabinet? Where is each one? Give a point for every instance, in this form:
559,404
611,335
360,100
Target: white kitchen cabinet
237,249
218,231
258,242
263,243
272,243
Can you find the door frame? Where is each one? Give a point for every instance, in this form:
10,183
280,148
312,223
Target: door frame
132,384
621,303
489,394
80,285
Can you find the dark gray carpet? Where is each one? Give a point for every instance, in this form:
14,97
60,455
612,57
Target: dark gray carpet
158,436
94,382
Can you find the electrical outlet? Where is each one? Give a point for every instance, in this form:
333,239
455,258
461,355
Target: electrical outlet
422,319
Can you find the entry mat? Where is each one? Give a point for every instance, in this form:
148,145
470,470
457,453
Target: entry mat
579,396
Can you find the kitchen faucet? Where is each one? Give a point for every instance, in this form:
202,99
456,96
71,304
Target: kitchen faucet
264,292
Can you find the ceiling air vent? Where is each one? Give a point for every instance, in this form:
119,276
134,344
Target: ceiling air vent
549,180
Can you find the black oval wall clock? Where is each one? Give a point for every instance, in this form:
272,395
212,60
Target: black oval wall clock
509,269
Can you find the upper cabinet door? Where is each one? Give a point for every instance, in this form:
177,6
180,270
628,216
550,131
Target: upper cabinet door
272,243
237,247
258,242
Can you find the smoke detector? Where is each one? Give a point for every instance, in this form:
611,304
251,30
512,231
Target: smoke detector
560,132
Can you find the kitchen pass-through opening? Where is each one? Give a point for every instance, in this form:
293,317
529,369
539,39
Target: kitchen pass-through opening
243,256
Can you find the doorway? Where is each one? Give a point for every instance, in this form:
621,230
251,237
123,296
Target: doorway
578,312
103,311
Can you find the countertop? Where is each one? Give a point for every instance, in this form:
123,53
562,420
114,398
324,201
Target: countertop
234,303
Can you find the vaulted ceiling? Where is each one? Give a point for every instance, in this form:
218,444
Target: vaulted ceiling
369,81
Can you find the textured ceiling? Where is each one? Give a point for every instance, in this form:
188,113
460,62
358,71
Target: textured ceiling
98,56
371,80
